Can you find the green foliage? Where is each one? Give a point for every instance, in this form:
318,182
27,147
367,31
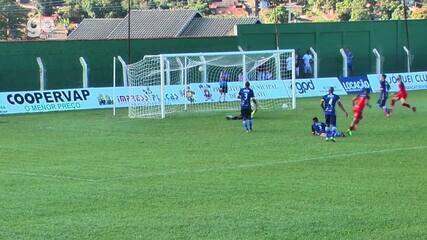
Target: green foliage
12,19
386,9
79,9
353,10
45,7
322,5
200,5
279,14
73,10
359,11
399,13
344,10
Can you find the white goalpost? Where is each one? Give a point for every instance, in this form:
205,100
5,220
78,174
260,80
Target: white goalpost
196,82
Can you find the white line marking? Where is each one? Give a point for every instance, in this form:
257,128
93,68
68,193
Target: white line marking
263,164
46,176
179,171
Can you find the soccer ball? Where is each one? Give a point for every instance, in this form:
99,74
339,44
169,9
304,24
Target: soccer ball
200,68
285,106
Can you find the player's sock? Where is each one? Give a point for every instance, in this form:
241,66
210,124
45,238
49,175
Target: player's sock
251,123
245,125
328,133
386,111
406,105
333,132
392,103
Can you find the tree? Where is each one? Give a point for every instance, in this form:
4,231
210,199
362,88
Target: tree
344,10
46,7
354,10
360,11
12,18
76,10
201,6
73,10
399,12
278,14
386,8
322,5
419,13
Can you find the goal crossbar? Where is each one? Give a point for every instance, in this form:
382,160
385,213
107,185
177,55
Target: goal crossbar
166,83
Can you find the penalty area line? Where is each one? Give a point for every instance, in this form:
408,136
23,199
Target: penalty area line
36,175
264,164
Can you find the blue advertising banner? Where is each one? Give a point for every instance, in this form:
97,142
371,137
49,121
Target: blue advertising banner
412,81
355,84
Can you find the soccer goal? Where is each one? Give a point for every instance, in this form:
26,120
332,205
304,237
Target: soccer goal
196,82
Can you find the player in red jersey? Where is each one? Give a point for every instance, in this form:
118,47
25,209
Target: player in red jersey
359,103
401,96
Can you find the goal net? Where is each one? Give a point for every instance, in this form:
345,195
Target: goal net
196,82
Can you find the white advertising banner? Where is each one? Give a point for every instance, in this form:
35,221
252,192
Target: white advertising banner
412,81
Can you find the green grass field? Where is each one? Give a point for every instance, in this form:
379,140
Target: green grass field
87,175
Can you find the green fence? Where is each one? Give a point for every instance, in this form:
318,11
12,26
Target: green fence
388,37
19,70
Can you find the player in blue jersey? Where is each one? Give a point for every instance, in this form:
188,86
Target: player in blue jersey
319,129
382,101
246,95
328,104
223,85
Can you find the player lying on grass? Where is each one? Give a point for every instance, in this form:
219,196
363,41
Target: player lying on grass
401,96
328,103
254,107
246,96
359,103
382,101
318,129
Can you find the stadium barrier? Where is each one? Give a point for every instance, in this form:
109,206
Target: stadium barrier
101,98
412,81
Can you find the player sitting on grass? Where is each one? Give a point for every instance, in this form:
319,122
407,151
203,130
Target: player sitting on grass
382,101
246,95
402,95
318,129
328,103
359,103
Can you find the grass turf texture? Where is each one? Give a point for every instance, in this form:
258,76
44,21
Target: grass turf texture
87,175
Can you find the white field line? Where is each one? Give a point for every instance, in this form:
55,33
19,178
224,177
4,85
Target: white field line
263,164
213,169
37,175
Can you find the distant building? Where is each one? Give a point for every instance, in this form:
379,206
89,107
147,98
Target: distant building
230,7
149,24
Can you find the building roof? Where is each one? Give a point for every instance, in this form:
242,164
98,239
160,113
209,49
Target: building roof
208,27
95,28
149,24
154,24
